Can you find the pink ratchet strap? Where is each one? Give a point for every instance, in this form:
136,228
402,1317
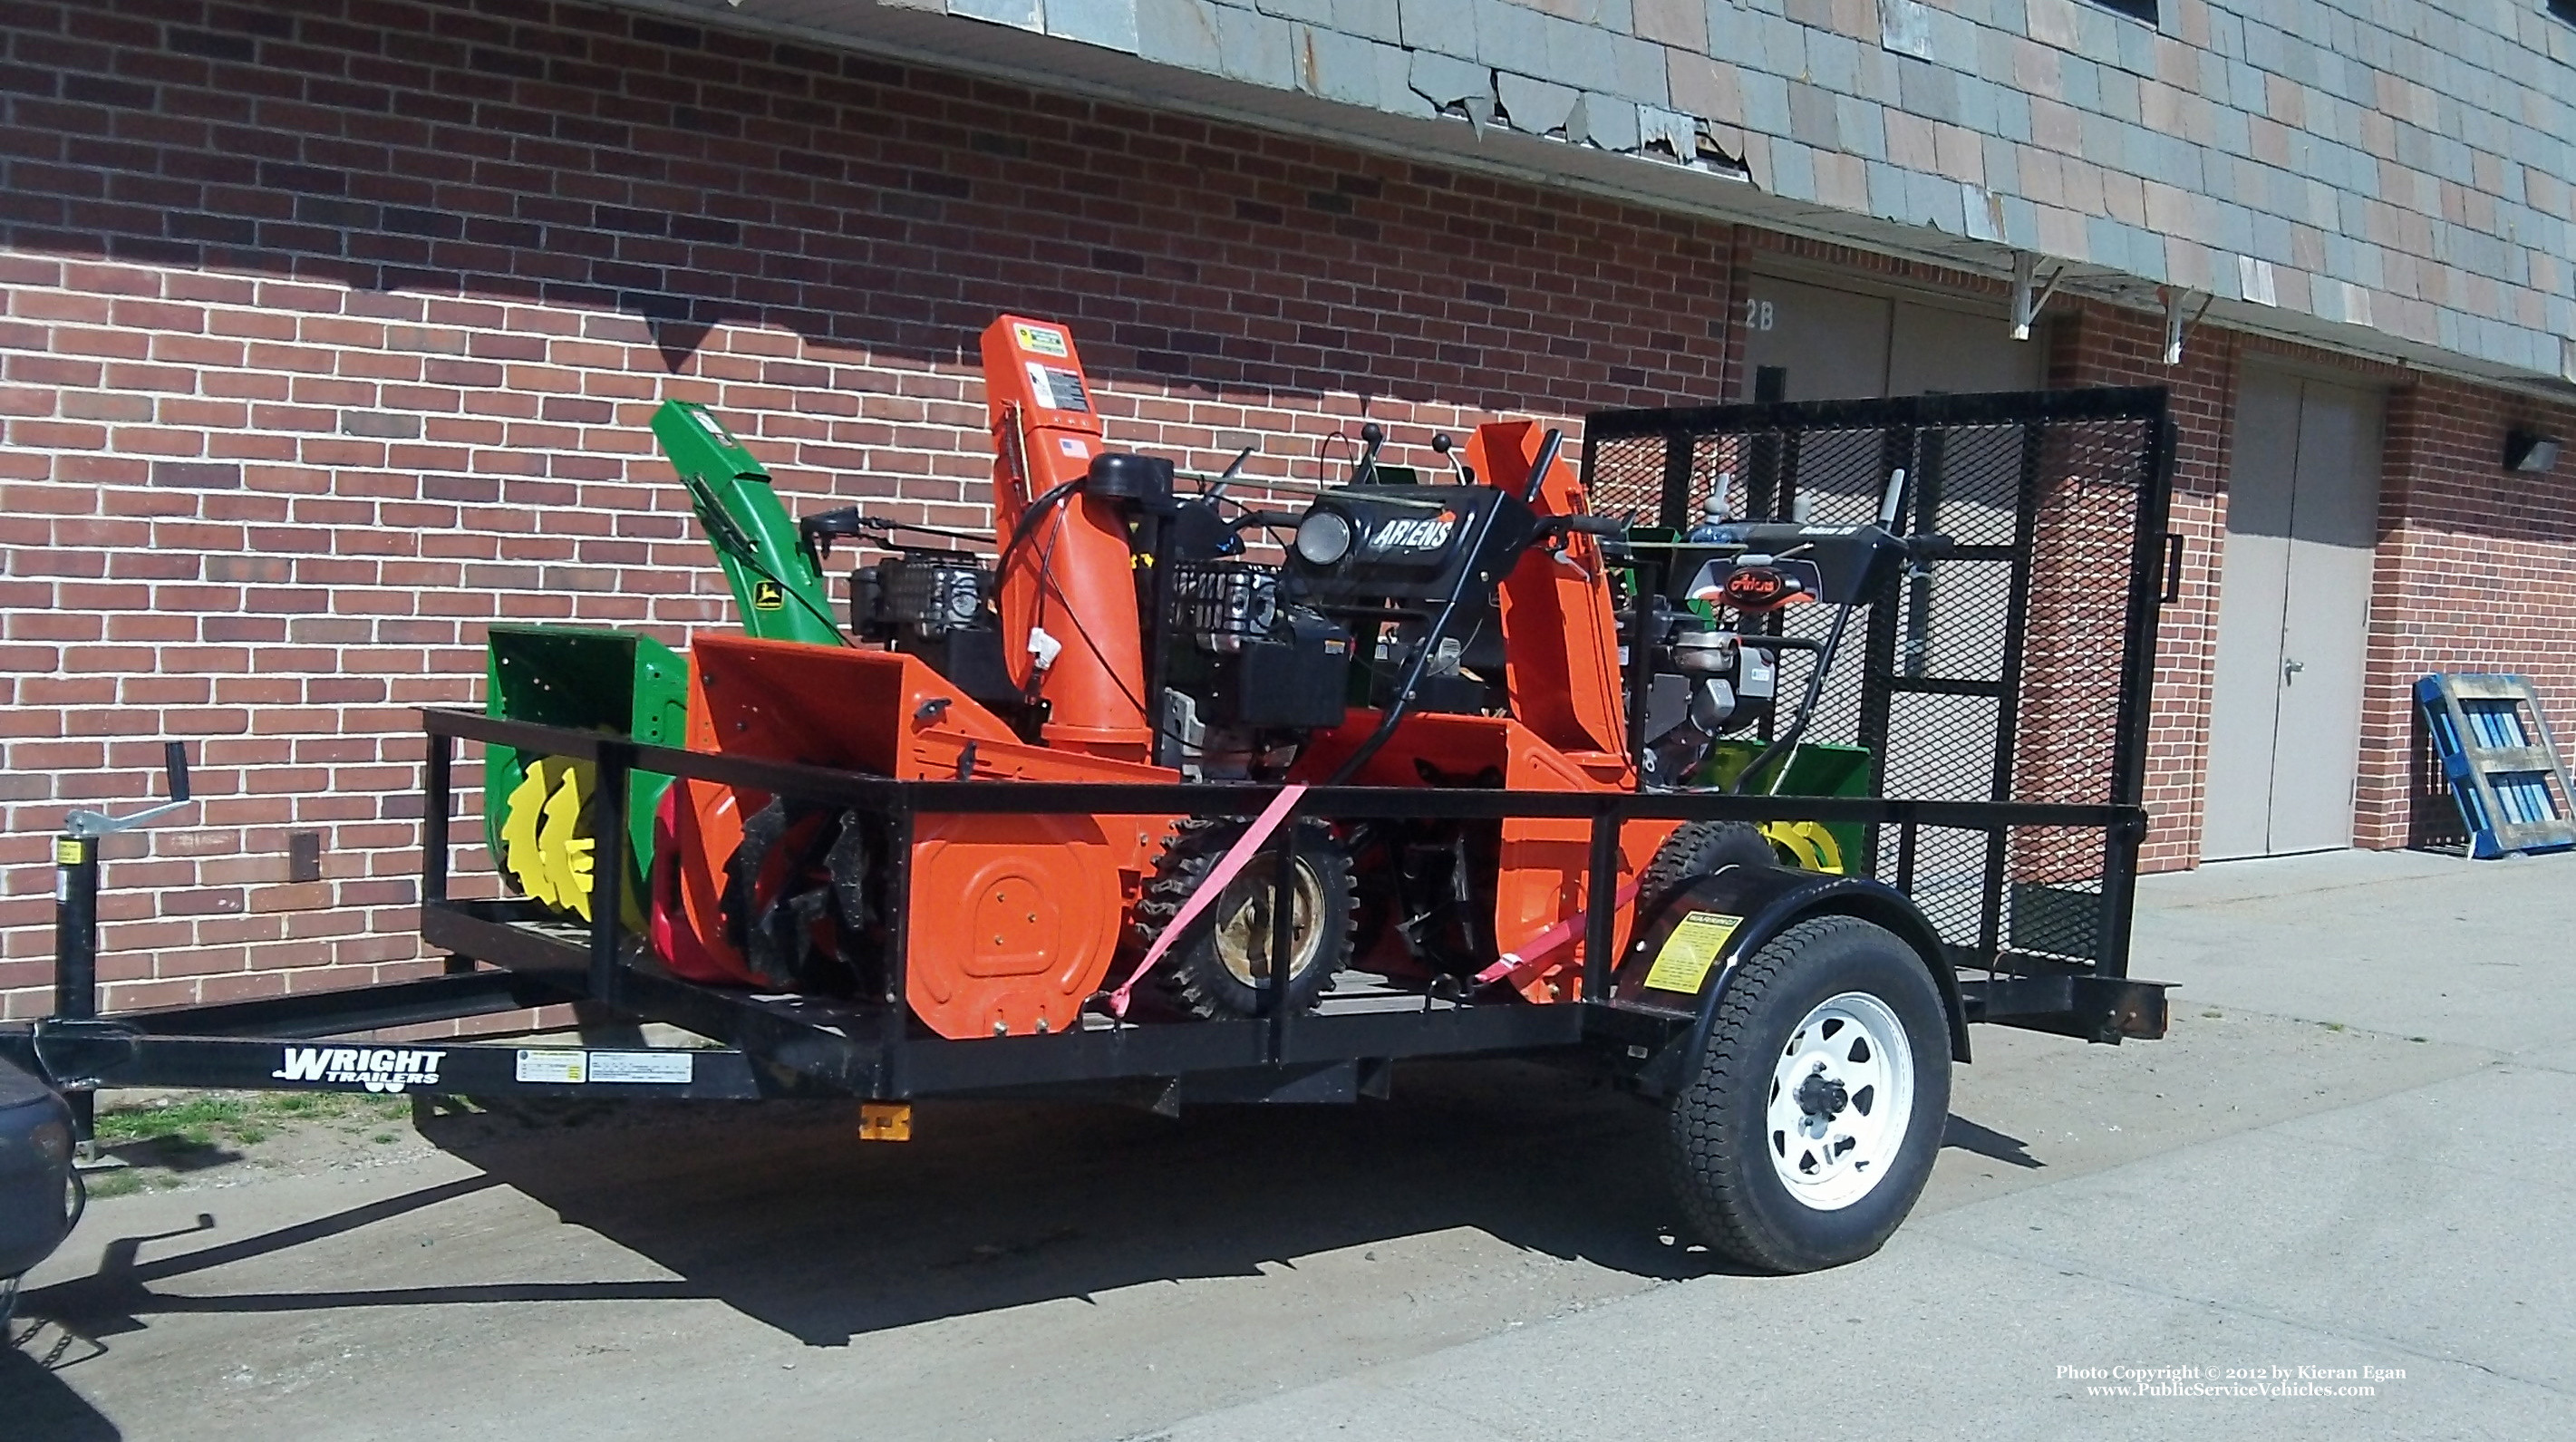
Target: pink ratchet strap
1236,858
1546,941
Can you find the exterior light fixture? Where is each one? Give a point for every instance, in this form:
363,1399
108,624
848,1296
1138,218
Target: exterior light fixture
2529,451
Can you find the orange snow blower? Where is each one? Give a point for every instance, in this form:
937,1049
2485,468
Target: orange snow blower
1449,630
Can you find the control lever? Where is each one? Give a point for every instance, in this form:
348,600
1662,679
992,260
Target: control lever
1216,488
817,531
1556,529
1372,436
1443,446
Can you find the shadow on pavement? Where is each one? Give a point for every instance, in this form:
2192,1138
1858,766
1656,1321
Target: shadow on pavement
778,1211
1967,1136
34,1398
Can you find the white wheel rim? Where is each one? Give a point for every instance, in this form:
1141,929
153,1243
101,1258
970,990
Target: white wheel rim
1841,1100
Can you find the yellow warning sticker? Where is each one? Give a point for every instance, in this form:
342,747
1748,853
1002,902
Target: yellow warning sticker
1691,950
768,596
69,851
1038,340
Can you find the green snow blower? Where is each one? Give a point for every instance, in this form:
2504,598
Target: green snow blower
537,809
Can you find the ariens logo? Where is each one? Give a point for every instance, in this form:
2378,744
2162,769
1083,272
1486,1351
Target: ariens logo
1419,533
379,1069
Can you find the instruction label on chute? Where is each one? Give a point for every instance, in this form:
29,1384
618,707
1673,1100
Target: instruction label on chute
1057,389
1683,963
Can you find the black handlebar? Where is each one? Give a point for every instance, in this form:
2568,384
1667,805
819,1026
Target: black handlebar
1588,525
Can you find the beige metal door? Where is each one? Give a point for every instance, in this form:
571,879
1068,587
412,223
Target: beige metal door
2293,617
1840,344
1833,343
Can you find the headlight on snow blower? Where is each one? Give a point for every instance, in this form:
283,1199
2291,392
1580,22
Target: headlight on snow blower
1324,537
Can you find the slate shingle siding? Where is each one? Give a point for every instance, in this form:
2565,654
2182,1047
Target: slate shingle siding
2399,165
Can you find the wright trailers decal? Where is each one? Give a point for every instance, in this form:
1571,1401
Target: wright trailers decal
378,1069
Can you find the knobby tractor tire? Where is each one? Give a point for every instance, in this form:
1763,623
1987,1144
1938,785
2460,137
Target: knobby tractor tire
1223,968
1720,1141
1699,848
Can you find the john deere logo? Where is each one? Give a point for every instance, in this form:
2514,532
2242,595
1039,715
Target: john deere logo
768,596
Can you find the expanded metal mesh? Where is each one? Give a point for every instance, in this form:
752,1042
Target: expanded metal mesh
2000,675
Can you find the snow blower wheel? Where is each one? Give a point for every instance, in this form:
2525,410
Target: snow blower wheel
1820,1102
1700,848
1224,969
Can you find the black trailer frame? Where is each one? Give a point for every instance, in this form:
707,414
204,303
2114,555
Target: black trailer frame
505,956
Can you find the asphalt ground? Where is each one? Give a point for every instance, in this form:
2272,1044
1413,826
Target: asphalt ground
2352,1155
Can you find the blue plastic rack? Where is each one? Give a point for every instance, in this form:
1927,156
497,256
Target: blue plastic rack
2502,764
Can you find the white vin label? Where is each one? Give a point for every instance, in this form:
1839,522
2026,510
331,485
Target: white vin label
668,1068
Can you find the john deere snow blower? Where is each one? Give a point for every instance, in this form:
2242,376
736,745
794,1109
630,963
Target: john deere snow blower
537,820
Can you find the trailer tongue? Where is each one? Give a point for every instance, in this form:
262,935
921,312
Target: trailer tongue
1484,762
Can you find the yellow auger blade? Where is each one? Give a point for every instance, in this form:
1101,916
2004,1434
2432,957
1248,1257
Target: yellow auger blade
519,851
564,842
1808,843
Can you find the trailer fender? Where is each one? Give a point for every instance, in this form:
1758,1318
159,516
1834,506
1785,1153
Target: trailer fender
1732,913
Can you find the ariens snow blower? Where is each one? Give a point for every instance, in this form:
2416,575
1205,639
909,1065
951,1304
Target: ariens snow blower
1455,629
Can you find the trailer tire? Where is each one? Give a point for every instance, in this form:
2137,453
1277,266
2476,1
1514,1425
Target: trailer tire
1219,973
1772,1149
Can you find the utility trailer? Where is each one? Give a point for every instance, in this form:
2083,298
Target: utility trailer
1798,1024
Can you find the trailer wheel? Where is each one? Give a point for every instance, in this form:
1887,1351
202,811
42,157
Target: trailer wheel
1224,970
1820,1101
1700,847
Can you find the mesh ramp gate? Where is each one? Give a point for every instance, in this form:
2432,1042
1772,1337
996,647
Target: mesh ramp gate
2018,671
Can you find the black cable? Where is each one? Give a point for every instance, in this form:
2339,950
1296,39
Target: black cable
1028,523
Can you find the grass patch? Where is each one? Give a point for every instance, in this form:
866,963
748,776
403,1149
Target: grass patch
121,1182
206,1119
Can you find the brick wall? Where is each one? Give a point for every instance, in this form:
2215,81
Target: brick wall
2476,572
2102,345
331,330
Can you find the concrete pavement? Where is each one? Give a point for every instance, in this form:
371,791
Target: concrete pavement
2353,1152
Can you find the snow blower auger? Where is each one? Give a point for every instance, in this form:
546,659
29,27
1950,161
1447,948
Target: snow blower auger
537,816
